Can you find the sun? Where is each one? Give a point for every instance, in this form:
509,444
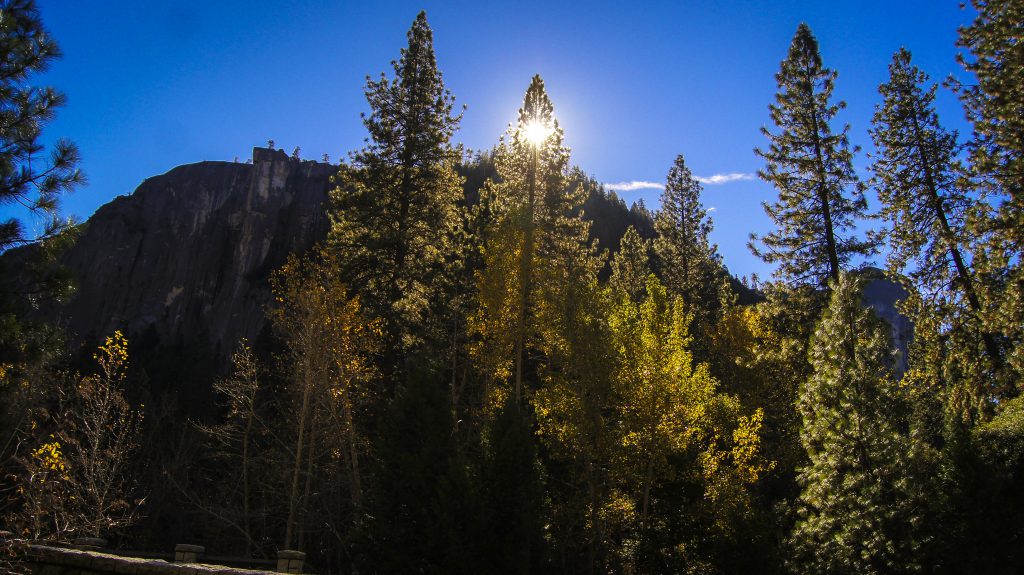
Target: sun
536,132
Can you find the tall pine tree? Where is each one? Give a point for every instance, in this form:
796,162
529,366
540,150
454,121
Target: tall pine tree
393,211
994,103
537,238
820,197
920,186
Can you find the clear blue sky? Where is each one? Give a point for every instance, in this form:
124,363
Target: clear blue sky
152,85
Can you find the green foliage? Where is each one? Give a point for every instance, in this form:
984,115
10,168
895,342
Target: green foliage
687,261
425,515
630,266
921,189
536,243
394,209
820,198
25,177
859,511
993,103
916,175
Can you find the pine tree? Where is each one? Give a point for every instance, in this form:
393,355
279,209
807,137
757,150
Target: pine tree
536,243
631,266
394,209
820,198
920,186
995,105
859,511
686,258
424,516
26,178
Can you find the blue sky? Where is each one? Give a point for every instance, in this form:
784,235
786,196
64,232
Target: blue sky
152,85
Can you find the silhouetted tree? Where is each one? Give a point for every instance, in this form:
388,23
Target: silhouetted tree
26,178
820,198
686,259
393,211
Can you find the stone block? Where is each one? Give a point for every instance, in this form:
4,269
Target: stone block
290,561
184,553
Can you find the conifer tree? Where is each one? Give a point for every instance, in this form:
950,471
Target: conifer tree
820,198
994,103
860,507
424,517
631,266
920,186
26,178
394,209
686,258
537,241
916,176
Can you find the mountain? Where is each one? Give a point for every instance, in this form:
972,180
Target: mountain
188,254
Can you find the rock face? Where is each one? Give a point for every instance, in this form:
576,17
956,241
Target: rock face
190,251
882,295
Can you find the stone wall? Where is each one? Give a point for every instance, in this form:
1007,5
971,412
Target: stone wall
49,560
46,560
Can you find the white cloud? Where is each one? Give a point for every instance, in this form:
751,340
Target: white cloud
635,185
724,178
712,180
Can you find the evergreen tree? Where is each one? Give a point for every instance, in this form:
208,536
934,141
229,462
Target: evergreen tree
394,210
536,243
512,486
26,178
820,198
919,185
424,516
631,266
686,258
859,511
995,105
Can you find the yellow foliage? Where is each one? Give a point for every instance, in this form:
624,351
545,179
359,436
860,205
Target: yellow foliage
49,456
746,448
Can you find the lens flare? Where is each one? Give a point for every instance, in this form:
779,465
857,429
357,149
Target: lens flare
536,132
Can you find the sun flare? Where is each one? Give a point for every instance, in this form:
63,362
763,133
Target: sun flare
536,132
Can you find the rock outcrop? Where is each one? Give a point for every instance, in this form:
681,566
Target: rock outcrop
882,295
188,254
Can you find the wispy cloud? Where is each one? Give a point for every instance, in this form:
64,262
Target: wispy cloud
724,178
713,180
635,185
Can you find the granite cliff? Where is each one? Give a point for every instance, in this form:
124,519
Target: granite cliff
189,252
